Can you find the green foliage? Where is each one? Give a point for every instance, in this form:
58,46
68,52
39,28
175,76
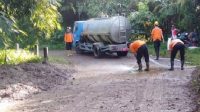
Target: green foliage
95,8
142,6
17,57
26,22
141,21
163,50
54,46
56,42
193,56
138,36
45,18
6,29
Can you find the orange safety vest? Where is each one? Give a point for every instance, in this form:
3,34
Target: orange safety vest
157,34
136,45
68,37
174,42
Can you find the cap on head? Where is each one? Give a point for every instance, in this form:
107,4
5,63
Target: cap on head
156,23
69,28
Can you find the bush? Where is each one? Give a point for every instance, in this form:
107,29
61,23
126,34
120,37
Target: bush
138,36
14,57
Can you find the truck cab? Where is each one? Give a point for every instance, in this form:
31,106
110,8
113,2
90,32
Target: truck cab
77,30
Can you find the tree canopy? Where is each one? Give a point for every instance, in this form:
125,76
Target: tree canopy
30,21
182,13
27,21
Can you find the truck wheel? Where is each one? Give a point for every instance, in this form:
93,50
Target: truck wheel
78,50
122,53
97,52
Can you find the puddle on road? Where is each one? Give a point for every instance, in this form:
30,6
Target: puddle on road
106,68
133,70
5,106
124,68
96,70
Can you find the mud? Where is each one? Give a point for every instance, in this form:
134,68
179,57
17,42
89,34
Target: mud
195,84
18,82
112,84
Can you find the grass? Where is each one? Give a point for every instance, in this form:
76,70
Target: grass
14,57
163,50
59,60
56,46
191,55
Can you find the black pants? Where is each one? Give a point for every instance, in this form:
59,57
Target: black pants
157,48
68,45
178,47
142,51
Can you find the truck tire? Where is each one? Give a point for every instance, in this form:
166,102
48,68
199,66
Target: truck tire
97,52
78,50
122,53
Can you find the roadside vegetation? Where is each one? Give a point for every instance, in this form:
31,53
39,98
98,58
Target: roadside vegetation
13,57
44,22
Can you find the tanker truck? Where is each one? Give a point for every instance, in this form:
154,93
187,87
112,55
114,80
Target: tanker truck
102,35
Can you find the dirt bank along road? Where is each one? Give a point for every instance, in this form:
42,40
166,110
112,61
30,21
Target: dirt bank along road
112,84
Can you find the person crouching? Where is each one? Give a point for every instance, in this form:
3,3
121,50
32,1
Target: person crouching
175,46
139,49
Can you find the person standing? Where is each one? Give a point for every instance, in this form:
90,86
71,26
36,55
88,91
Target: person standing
157,37
175,46
68,38
174,32
139,49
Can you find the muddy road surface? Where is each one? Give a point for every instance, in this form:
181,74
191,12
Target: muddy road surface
112,84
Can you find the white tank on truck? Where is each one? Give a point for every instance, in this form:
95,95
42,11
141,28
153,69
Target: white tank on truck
102,35
113,30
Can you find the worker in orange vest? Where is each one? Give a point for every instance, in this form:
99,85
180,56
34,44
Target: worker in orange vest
157,37
139,49
68,38
175,46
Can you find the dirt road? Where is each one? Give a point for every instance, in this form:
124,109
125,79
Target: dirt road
112,84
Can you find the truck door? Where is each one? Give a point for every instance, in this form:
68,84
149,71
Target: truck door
78,29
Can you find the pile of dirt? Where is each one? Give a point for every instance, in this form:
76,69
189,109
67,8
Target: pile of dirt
195,83
20,81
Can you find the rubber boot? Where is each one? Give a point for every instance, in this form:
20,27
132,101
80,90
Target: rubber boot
172,66
182,64
147,67
140,67
157,55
